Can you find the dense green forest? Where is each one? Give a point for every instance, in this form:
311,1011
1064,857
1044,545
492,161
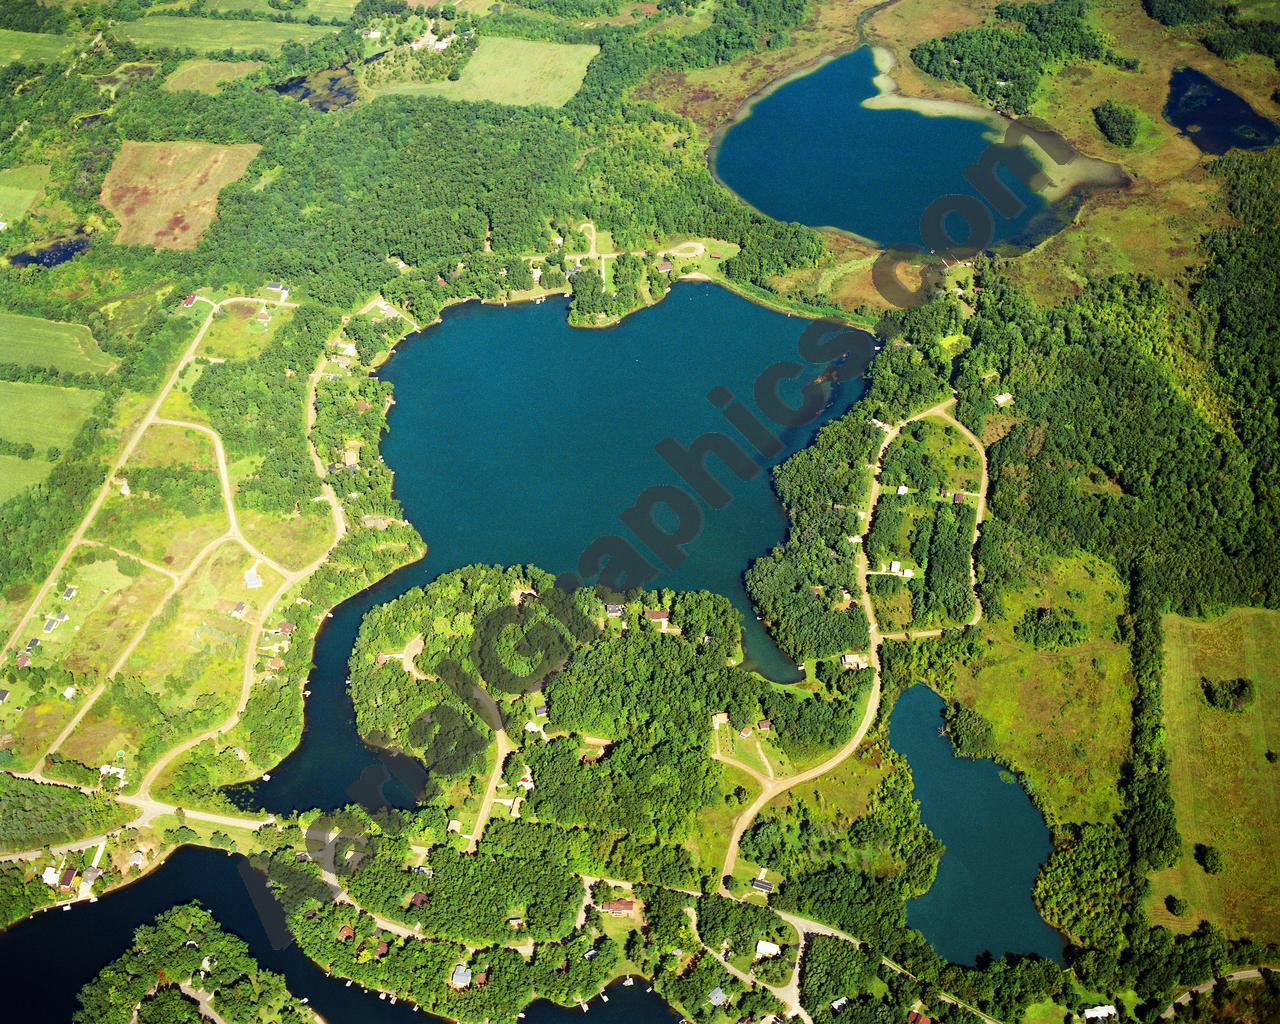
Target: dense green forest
34,814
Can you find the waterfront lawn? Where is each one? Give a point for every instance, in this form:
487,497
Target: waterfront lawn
1225,791
165,194
31,341
114,596
199,74
1062,718
213,35
514,71
32,47
43,415
175,504
19,189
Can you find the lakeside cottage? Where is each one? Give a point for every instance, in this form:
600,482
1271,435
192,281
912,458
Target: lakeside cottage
461,977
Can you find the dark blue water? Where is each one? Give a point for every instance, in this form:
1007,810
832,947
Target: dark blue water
51,255
46,960
995,841
518,439
1214,117
811,152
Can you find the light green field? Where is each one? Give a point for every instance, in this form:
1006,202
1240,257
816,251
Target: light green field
1225,792
19,188
30,341
43,415
16,474
520,72
1062,718
32,46
326,9
210,35
200,74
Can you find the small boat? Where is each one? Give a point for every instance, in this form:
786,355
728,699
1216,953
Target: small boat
628,981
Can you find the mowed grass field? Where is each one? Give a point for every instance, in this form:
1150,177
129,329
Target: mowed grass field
326,9
33,46
212,35
165,194
30,341
521,72
43,415
1062,717
1225,792
16,474
199,74
19,189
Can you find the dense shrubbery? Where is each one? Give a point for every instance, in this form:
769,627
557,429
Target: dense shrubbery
1117,121
1050,628
1228,694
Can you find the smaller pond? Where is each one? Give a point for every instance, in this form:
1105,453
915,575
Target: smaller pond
995,841
51,255
322,90
1213,117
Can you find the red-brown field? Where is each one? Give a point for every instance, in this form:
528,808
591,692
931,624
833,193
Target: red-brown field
165,194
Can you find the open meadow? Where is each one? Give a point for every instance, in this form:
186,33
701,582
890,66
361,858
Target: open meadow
165,194
41,414
199,74
1225,790
33,46
20,187
1061,717
326,10
30,341
520,72
210,35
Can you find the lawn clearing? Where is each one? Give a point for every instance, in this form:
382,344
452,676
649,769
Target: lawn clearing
43,415
214,35
1225,792
30,341
165,194
327,10
20,187
16,474
33,46
1062,718
520,72
202,75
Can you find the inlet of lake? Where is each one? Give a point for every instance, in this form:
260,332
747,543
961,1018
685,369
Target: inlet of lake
995,842
812,151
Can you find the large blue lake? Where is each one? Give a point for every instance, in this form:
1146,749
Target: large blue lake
517,439
995,841
812,152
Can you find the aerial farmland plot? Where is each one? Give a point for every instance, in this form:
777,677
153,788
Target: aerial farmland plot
165,194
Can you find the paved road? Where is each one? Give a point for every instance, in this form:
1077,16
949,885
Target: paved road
1245,974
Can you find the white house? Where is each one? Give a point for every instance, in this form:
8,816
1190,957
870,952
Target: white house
766,948
1003,399
1101,1012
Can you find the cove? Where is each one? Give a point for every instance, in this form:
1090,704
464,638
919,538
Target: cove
1213,117
995,841
517,439
46,960
813,151
51,255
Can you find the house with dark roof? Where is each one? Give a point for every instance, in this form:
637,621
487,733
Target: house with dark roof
4,694
760,885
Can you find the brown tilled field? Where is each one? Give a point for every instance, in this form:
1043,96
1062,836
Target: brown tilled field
165,194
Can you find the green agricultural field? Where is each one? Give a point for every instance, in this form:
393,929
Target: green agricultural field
1061,717
520,72
30,341
42,415
210,35
326,10
1225,791
16,474
32,46
19,189
200,74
